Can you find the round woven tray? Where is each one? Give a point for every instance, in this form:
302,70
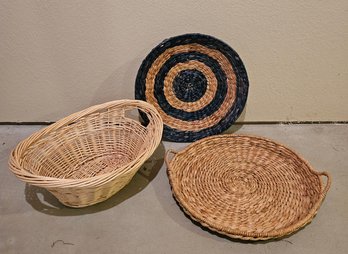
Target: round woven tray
197,83
246,187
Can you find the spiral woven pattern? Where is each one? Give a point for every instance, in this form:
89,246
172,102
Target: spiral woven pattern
197,83
87,157
246,187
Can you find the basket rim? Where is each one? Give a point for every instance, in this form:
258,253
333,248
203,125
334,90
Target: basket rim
55,182
241,234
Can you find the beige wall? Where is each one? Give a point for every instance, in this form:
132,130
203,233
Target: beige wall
57,57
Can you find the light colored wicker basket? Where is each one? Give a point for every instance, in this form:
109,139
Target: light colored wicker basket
87,157
246,187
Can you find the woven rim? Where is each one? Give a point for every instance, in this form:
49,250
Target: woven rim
251,188
18,154
197,83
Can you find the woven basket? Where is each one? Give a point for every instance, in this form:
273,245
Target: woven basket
198,84
246,187
87,157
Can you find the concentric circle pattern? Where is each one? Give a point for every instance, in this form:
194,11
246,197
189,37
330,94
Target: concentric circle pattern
189,85
250,187
197,83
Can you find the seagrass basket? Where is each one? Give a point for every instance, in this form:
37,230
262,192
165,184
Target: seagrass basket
198,84
246,187
87,157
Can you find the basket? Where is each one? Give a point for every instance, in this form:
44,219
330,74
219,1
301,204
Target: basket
198,84
87,157
246,187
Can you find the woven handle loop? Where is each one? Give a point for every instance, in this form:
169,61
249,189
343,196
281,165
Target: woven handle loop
166,157
147,110
328,182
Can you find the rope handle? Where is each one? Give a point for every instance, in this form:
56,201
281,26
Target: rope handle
328,182
166,157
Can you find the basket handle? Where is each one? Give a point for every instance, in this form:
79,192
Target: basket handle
166,157
328,182
152,117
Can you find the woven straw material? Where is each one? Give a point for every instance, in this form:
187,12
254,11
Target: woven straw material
87,157
246,187
197,83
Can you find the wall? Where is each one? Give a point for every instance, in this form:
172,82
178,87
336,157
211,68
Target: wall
57,57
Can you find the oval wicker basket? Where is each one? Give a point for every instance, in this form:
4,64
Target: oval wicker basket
246,187
87,157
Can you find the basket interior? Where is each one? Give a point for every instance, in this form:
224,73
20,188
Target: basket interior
94,145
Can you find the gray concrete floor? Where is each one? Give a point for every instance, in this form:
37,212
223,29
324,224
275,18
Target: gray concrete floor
144,218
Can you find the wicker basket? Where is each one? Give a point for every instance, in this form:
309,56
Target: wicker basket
87,157
246,187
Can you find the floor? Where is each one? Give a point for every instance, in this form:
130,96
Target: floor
144,218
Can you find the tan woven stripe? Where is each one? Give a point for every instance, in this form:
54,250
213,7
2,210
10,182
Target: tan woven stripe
214,118
190,106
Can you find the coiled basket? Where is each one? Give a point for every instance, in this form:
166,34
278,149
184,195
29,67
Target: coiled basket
87,157
246,187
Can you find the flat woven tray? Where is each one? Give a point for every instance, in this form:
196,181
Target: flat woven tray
246,187
197,83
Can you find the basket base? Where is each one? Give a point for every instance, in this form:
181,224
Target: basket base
100,165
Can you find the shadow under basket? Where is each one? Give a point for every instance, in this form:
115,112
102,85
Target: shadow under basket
87,157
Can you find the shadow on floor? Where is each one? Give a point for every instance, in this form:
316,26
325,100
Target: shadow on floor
43,201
